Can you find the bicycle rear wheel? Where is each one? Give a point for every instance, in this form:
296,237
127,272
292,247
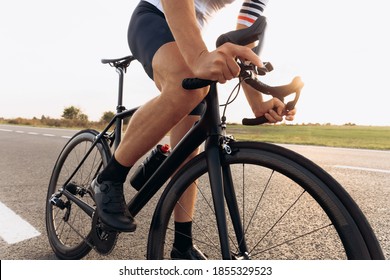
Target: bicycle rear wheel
281,206
68,225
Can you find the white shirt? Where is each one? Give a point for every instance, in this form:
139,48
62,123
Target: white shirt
250,11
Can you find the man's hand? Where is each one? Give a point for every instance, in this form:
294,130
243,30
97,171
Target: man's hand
220,65
275,110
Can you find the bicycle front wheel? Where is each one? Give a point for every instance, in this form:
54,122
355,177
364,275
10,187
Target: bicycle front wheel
68,223
280,205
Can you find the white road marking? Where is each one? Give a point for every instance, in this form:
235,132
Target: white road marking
363,169
13,228
34,133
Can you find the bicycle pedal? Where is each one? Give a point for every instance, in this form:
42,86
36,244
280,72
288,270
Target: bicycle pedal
56,201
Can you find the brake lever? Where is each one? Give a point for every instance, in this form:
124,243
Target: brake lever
251,69
267,67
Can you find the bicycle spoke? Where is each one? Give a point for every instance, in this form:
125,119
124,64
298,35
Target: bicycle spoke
207,201
259,201
290,240
278,220
94,164
60,225
80,235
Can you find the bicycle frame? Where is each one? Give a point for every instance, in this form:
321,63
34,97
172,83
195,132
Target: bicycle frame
209,130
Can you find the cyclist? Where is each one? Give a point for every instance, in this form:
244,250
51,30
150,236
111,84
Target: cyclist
165,36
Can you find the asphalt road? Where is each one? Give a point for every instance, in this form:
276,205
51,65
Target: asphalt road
27,156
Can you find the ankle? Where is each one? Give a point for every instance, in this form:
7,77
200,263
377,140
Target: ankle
114,172
183,236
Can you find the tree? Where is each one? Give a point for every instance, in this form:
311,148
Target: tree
74,113
82,117
107,117
71,113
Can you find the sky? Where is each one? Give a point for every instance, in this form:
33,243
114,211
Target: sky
50,54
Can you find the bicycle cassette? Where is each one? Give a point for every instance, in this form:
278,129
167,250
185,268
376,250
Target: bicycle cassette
103,237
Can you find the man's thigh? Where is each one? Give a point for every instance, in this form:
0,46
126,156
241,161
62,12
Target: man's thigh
152,43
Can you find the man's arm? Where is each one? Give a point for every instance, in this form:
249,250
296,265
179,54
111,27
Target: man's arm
218,65
272,109
181,18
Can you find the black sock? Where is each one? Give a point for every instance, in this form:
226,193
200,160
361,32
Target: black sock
114,172
183,236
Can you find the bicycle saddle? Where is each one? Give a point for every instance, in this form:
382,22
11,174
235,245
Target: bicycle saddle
245,36
122,62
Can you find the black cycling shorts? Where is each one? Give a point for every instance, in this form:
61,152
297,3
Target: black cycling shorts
148,31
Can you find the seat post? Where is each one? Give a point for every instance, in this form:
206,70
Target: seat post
119,108
120,65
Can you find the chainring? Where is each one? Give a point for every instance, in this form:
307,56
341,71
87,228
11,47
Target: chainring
103,237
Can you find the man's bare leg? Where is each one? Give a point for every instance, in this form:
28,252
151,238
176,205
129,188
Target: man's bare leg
158,116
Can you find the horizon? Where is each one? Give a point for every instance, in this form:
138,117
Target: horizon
24,121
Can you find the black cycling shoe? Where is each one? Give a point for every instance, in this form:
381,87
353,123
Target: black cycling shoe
193,253
111,205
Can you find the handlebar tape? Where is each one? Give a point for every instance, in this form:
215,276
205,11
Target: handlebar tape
254,121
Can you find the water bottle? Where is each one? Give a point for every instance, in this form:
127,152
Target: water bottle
149,166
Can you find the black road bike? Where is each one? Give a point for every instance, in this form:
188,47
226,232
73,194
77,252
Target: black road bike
255,200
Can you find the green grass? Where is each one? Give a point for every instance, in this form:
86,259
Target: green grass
365,137
349,136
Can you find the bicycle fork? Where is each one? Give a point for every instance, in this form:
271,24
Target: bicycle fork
220,178
222,187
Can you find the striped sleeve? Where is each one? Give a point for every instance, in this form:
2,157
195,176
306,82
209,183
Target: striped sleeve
250,11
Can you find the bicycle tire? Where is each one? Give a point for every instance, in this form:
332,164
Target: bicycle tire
321,222
69,229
